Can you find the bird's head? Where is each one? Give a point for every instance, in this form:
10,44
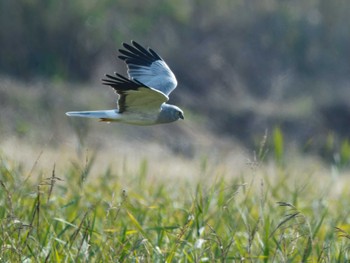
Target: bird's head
170,113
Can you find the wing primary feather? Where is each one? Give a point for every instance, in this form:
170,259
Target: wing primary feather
121,76
121,83
140,62
139,47
127,53
111,77
134,50
122,57
136,60
138,55
154,54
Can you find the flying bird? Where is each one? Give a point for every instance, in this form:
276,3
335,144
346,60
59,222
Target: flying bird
143,95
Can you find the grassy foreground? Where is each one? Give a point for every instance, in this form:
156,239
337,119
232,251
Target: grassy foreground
270,213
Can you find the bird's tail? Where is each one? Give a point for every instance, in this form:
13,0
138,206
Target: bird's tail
103,115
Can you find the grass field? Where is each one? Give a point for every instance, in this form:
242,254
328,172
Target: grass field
82,191
203,210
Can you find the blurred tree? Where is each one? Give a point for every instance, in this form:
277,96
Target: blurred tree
255,63
45,38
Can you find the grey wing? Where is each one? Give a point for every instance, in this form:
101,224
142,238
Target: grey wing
146,66
135,96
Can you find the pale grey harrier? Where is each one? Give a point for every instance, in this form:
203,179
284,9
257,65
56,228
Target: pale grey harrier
142,96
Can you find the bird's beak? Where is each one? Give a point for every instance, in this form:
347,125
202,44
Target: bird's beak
182,116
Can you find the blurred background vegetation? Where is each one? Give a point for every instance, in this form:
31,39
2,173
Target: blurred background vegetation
244,67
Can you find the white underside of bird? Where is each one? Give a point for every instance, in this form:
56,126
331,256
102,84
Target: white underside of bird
141,119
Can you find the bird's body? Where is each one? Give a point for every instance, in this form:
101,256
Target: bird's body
165,115
142,96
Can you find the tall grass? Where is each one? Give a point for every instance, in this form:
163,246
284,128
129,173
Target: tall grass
261,216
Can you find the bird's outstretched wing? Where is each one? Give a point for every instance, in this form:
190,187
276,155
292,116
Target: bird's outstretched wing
146,66
135,96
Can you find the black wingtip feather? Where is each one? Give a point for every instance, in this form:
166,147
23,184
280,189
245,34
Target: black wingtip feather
126,45
137,54
122,57
138,46
120,83
154,53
